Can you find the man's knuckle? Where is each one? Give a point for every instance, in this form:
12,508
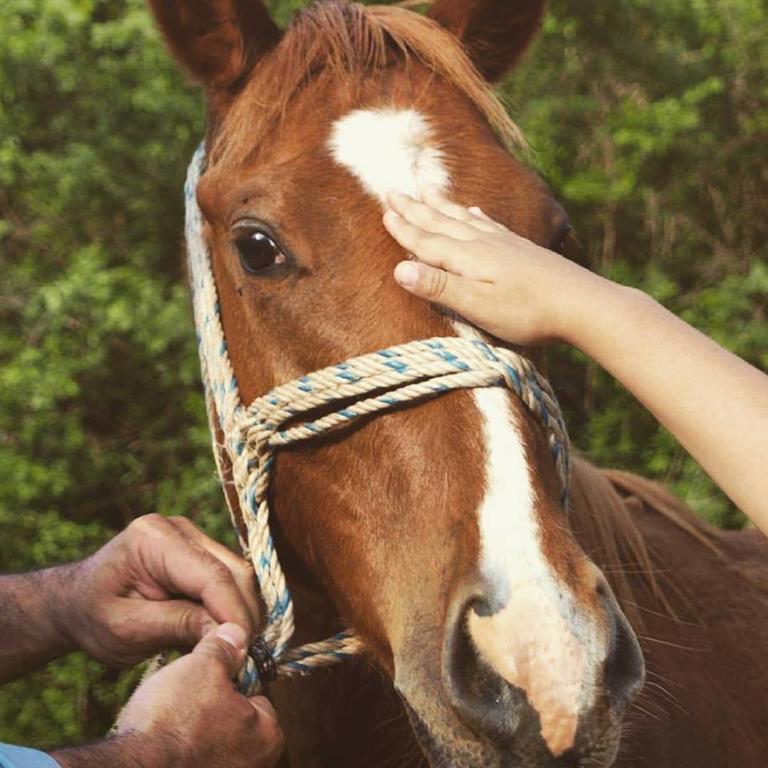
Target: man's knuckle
123,627
102,614
437,283
272,730
249,719
148,525
186,621
244,573
181,522
218,571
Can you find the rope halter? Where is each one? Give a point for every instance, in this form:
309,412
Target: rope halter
366,385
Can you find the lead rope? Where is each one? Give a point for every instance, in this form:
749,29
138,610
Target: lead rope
366,385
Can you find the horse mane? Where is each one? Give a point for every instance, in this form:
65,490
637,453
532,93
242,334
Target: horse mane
335,39
607,504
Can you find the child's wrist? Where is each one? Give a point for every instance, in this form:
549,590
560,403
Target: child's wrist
576,300
601,306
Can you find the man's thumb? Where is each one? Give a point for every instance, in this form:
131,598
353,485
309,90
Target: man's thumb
224,646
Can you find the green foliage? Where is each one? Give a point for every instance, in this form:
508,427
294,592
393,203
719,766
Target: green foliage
648,119
101,416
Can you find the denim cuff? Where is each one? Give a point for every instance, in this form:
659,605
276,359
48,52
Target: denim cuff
21,757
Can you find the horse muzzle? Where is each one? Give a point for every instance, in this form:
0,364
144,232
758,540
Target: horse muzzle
518,690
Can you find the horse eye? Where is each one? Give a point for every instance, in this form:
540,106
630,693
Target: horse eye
258,251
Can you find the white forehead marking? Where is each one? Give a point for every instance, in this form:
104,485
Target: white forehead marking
536,638
388,149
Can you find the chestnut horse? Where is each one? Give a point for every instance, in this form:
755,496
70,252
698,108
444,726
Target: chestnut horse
436,531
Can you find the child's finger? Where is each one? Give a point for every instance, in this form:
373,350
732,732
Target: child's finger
480,216
474,216
436,250
436,285
435,198
427,246
430,219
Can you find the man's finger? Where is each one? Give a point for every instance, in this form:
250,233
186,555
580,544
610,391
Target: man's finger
223,648
473,217
182,567
439,251
239,567
155,625
470,216
263,706
269,728
194,572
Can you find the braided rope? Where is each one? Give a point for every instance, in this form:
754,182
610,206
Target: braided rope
366,385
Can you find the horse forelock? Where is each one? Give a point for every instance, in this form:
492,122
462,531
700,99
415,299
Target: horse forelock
346,42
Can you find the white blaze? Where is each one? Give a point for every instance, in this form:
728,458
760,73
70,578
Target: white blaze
388,149
534,637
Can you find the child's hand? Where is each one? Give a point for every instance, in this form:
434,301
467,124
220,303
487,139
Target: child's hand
526,294
509,286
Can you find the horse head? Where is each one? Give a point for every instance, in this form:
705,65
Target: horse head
436,530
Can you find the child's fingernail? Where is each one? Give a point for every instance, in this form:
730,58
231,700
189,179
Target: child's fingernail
390,216
407,273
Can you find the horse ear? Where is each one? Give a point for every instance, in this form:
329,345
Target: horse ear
495,33
218,41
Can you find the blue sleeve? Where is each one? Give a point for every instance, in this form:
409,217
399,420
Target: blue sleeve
21,757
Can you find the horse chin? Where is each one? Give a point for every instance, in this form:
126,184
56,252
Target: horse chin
453,745
452,753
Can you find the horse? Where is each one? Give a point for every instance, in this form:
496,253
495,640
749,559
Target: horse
499,631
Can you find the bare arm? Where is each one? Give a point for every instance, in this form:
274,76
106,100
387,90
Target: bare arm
712,401
161,583
30,636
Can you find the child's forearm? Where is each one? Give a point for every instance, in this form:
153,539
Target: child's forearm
714,403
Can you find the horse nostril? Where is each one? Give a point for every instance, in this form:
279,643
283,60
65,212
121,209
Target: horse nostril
624,666
481,698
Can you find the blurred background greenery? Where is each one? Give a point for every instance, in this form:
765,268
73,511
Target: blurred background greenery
648,118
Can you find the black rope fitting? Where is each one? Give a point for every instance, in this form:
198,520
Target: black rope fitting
264,660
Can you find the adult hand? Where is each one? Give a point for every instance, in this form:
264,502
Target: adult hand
160,583
509,286
189,714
